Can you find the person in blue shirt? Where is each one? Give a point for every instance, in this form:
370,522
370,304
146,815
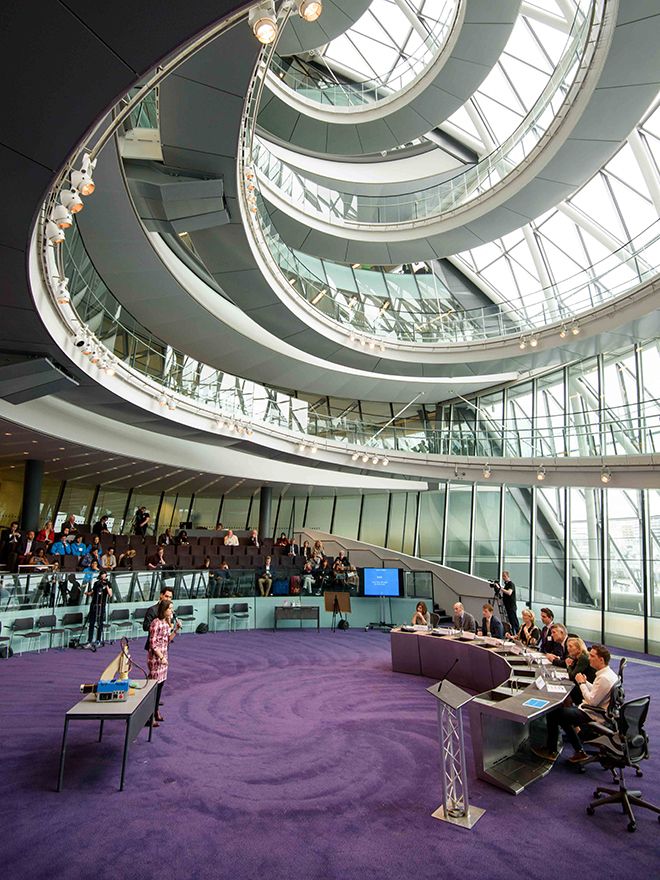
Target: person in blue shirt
61,547
79,548
91,572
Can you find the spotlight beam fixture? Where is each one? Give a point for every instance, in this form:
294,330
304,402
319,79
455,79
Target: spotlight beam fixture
310,10
263,21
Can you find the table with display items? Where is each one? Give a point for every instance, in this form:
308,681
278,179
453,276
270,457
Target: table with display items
507,713
136,711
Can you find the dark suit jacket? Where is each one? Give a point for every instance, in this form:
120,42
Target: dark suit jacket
469,623
496,628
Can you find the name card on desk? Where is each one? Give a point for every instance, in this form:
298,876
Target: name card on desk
561,674
556,689
540,682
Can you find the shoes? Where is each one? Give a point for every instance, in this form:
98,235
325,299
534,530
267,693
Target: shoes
546,755
159,717
579,757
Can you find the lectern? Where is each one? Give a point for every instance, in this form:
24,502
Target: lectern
455,807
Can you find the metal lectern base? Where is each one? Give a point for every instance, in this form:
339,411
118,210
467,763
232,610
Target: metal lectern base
469,821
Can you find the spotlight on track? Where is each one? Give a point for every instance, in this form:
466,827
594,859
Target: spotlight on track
563,333
54,234
61,216
71,200
522,343
533,341
82,180
355,456
162,400
62,291
171,403
263,21
575,328
487,472
365,458
540,474
605,475
385,462
310,10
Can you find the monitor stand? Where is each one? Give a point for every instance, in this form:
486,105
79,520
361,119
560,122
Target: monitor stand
382,625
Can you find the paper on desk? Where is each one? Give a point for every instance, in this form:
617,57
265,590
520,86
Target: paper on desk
555,689
561,674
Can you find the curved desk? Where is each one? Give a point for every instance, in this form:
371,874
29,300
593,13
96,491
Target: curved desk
502,727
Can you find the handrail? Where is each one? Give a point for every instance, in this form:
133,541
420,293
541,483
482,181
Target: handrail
332,94
407,210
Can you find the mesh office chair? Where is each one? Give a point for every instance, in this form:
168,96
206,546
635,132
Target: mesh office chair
626,746
435,619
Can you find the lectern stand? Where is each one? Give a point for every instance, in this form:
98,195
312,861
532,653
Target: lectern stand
455,807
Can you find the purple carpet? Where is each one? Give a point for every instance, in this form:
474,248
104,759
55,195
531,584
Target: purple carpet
288,754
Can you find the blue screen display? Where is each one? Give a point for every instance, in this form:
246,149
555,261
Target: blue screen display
381,581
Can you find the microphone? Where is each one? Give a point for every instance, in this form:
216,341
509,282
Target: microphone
451,668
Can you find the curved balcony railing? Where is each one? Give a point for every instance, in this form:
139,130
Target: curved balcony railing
324,88
350,210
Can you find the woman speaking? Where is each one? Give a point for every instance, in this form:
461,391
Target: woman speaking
161,634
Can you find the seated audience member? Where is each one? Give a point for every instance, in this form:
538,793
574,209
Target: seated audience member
206,565
577,663
339,570
46,536
61,547
421,617
219,527
306,550
166,538
546,641
109,560
557,652
462,619
528,633
91,572
79,548
317,549
27,547
323,576
253,539
230,540
86,560
101,527
222,578
352,578
9,542
294,549
308,578
593,694
157,560
265,579
96,545
126,559
282,542
490,624
182,539
343,557
39,560
72,526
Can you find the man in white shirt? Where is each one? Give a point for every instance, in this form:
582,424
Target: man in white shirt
594,694
230,539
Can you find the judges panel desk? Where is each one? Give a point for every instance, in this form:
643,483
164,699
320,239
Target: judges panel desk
502,728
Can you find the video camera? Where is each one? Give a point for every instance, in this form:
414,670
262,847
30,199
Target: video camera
497,587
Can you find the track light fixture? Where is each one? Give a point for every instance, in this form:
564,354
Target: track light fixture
71,200
162,400
171,403
54,234
87,347
301,447
575,328
355,456
605,475
540,474
487,472
62,291
82,180
61,216
523,343
375,459
385,462
263,21
563,333
310,10
365,458
533,341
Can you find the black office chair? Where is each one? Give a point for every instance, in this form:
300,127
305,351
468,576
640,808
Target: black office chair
608,717
625,747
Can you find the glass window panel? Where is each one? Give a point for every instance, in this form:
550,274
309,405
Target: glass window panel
49,491
410,522
234,512
486,541
374,519
347,516
585,526
111,503
396,525
519,414
550,551
205,512
550,415
431,522
319,513
457,547
517,538
11,498
654,547
77,500
169,513
150,500
583,405
284,518
624,558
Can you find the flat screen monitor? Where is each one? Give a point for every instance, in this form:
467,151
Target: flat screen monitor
381,582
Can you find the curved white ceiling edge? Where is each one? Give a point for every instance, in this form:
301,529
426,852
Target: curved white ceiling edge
57,418
230,314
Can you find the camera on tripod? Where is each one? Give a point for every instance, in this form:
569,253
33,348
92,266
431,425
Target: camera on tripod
497,587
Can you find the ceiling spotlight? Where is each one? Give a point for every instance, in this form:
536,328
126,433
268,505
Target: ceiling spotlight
162,400
310,10
374,460
54,234
372,344
87,347
352,337
605,475
563,333
487,472
533,341
71,200
382,346
109,367
82,180
249,431
263,22
94,357
355,456
249,174
219,424
301,447
365,458
62,291
385,462
575,328
171,403
61,216
523,343
540,474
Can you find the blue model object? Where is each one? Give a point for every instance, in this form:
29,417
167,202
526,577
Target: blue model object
536,704
381,582
111,691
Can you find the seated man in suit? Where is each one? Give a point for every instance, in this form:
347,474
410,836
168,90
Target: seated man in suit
558,651
547,619
491,625
462,620
265,579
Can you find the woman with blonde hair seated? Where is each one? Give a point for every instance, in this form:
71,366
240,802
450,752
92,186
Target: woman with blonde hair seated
577,661
529,634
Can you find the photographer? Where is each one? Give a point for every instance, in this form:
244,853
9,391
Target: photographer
100,592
